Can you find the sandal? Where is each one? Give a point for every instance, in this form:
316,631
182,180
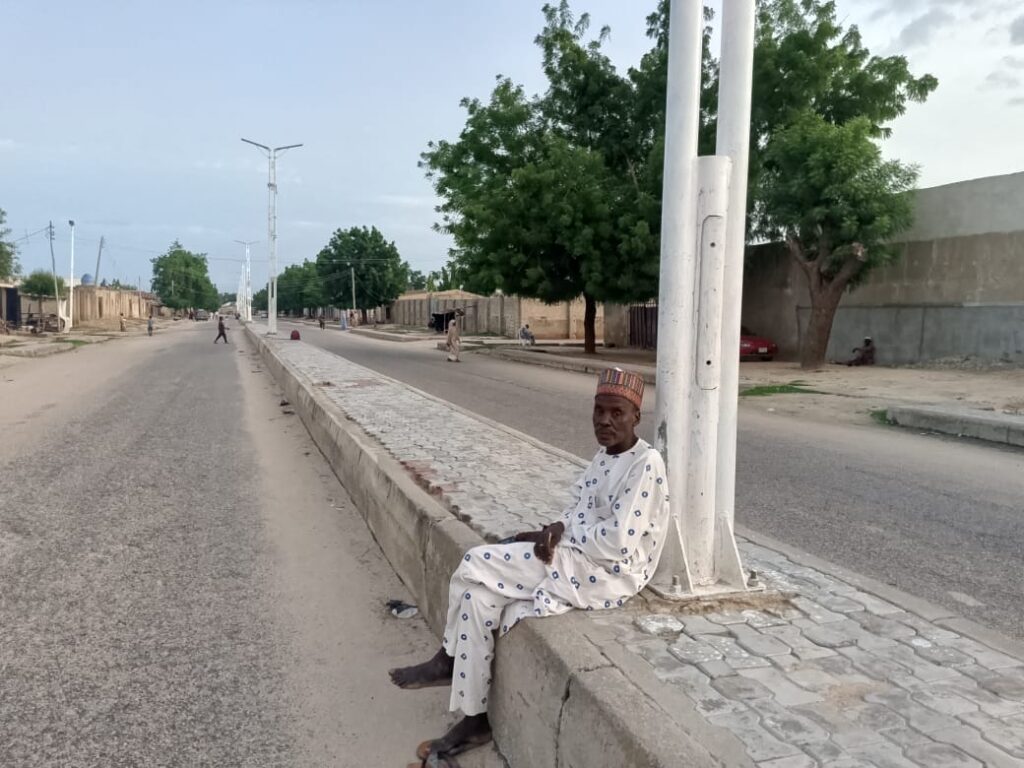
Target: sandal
430,748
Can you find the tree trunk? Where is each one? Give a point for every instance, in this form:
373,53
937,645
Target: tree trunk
589,324
824,302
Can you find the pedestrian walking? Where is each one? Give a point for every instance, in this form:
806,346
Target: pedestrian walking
454,338
149,325
124,324
322,322
222,331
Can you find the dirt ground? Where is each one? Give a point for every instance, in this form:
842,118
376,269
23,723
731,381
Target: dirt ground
850,395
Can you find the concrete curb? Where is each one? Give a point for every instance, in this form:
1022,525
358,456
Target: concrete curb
385,336
991,426
557,699
37,349
569,364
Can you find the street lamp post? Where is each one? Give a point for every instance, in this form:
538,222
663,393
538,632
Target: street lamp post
703,228
71,281
271,154
247,277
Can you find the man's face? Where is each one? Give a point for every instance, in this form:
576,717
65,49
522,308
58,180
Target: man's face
615,420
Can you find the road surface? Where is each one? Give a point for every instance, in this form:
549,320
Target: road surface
183,582
939,518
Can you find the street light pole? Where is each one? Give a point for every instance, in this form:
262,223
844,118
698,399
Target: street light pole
71,281
247,276
271,154
703,222
353,270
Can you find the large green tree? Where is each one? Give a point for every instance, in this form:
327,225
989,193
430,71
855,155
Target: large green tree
549,197
182,280
8,253
300,287
40,283
380,274
826,191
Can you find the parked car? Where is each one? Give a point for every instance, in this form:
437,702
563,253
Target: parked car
202,314
752,345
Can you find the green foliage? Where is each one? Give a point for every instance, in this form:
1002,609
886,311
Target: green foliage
300,287
259,300
825,188
181,279
417,280
441,280
9,266
380,274
118,285
40,283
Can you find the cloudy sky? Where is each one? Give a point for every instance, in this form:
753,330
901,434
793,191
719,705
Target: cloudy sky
126,116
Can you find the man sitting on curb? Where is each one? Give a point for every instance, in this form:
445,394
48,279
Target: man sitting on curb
602,551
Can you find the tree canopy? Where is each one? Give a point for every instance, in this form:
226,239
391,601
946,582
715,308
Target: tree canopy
558,195
8,253
181,279
40,283
300,287
380,274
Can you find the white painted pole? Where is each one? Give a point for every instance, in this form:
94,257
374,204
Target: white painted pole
698,512
677,275
272,240
71,281
733,139
272,230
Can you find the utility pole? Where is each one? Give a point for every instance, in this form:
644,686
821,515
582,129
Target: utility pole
71,282
353,269
700,221
53,268
247,277
272,230
96,277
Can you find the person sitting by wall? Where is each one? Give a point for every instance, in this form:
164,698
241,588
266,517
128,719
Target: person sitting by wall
864,355
526,336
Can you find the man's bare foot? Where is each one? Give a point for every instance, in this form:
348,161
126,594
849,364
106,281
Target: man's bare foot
471,731
436,671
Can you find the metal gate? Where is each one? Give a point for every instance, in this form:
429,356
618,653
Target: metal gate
643,325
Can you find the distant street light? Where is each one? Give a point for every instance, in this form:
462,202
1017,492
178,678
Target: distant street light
71,282
272,230
247,279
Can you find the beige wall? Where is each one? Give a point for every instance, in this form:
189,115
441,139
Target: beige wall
500,315
94,306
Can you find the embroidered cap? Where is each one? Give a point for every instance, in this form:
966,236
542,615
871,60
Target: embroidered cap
615,381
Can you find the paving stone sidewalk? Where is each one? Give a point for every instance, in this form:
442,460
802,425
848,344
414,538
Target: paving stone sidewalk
835,677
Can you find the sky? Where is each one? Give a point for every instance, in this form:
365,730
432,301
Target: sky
127,116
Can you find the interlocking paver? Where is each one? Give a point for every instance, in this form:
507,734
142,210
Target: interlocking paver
839,678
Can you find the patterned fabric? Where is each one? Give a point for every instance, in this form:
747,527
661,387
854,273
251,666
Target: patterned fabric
614,533
615,381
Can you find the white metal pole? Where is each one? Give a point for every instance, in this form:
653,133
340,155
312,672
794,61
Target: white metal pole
71,281
353,271
735,84
272,235
698,508
678,273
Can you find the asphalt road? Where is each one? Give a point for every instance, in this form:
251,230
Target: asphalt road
183,582
942,519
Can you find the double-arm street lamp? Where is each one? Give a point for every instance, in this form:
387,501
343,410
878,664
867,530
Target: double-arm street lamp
271,154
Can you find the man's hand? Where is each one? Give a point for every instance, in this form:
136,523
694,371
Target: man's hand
544,540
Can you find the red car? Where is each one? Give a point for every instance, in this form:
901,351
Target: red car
752,345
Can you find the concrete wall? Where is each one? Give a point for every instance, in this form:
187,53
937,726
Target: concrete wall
93,305
500,315
955,290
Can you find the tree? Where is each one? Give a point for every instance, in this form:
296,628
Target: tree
548,197
181,279
9,266
827,191
259,300
300,287
40,283
417,280
380,274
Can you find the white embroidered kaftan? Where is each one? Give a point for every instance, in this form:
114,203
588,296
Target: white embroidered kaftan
614,532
